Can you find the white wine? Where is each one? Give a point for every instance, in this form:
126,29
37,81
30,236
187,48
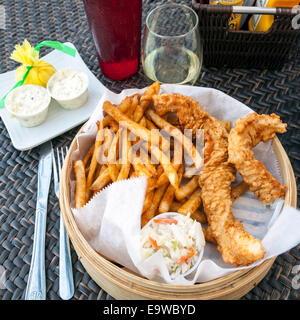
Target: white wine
173,65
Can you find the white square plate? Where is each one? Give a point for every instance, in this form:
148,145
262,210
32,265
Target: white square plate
59,120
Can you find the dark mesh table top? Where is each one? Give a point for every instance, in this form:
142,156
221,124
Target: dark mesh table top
64,20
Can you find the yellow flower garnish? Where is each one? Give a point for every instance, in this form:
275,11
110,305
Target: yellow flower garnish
41,70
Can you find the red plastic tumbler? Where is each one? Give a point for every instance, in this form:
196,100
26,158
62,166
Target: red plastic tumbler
116,30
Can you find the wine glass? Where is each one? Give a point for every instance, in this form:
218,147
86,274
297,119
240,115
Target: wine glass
172,50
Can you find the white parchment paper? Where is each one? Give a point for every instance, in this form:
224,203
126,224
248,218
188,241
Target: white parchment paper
110,222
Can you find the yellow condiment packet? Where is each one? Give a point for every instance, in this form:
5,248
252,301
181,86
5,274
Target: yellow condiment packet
41,70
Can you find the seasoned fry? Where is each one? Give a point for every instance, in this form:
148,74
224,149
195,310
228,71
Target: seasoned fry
94,161
142,132
150,213
145,101
150,125
187,189
133,106
168,197
175,206
163,178
151,91
112,157
80,191
146,160
103,168
126,122
238,190
150,166
152,183
139,112
103,180
88,155
124,172
104,149
98,170
143,122
113,172
192,204
140,169
132,173
179,136
107,121
123,107
190,172
125,165
140,166
145,134
114,126
148,200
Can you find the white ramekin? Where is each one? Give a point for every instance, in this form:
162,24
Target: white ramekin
28,119
75,101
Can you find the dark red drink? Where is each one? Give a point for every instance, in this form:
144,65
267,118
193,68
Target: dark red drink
116,30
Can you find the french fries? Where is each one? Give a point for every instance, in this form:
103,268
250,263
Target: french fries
112,157
175,206
187,189
168,197
178,135
89,155
125,163
80,191
94,160
192,204
148,200
103,180
144,134
150,213
145,101
127,140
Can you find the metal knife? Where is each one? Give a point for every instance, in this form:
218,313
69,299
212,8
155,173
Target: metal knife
36,284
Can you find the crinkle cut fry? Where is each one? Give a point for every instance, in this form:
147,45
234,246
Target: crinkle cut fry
235,244
246,134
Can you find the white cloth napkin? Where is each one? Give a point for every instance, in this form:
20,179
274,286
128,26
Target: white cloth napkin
110,222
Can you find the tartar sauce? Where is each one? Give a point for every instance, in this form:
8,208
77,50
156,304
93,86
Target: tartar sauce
27,99
67,84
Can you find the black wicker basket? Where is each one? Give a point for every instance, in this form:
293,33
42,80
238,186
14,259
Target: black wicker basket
224,47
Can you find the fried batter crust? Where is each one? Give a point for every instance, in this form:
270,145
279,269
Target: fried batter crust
234,243
246,134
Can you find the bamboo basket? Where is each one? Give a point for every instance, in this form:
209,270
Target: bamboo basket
121,283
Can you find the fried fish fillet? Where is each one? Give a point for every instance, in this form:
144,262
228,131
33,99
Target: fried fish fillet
246,134
234,243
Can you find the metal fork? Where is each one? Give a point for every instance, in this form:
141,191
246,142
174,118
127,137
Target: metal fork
66,283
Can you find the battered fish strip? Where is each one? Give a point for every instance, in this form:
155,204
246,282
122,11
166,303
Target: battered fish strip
246,134
234,243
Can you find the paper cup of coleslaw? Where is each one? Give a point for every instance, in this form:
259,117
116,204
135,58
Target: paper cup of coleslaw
178,238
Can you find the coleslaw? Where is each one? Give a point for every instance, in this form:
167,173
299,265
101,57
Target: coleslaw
179,239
